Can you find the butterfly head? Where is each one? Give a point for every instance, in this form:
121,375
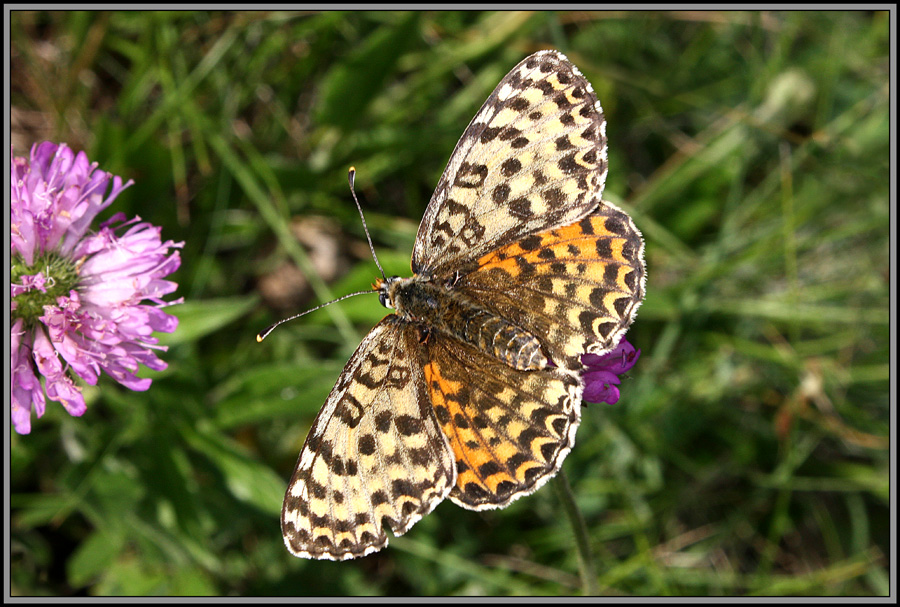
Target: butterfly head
385,295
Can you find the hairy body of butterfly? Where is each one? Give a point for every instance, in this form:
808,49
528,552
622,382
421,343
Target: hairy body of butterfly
436,307
518,263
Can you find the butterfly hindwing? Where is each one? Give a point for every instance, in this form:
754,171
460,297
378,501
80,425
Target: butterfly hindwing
375,454
509,429
576,287
533,158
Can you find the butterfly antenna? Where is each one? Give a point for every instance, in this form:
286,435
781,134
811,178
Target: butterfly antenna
351,177
263,334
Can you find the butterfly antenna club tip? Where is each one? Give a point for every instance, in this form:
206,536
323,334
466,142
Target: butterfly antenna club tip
351,179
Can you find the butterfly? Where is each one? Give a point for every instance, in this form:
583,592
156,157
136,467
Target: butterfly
471,388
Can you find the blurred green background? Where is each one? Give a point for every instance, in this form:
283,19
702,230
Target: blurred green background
749,453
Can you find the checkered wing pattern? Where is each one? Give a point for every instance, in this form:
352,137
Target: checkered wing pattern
576,287
533,158
509,429
473,389
375,455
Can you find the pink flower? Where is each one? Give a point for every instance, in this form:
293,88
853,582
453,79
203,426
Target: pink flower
601,373
78,297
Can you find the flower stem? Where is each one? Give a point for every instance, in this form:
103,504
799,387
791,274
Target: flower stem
585,555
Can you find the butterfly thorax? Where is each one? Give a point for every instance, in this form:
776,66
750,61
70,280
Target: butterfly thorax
437,307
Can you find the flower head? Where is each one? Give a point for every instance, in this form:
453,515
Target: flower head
77,296
601,373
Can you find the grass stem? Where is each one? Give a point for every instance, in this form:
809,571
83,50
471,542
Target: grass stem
582,541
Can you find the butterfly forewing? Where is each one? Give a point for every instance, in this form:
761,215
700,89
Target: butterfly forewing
375,455
533,158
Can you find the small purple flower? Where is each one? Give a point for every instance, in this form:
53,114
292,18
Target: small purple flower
601,373
76,295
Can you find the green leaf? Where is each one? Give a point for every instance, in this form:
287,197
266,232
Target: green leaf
199,318
94,556
246,478
272,391
348,88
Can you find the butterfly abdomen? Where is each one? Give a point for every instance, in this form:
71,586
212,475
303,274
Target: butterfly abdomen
442,309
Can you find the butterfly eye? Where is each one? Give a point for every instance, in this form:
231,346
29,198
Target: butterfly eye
385,301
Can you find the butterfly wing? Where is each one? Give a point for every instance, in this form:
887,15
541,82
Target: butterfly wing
533,158
577,288
375,454
509,429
